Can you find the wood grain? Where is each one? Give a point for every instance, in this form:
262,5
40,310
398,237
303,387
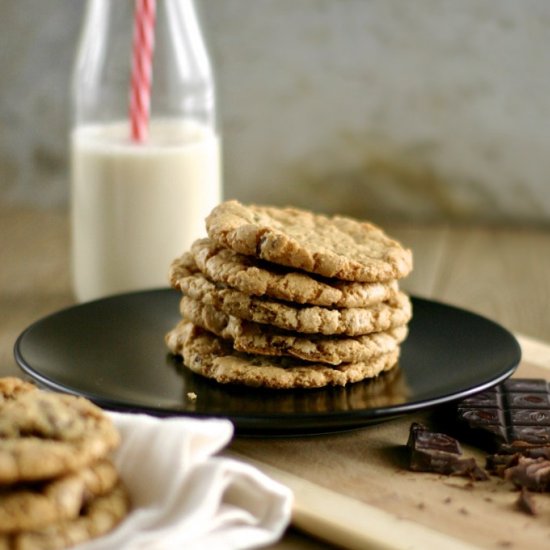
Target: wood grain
502,273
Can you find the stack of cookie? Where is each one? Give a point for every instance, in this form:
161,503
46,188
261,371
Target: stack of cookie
284,298
58,486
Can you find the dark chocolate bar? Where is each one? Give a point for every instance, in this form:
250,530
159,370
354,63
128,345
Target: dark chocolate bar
509,418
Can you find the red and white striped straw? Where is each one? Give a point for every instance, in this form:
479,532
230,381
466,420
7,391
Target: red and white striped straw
142,65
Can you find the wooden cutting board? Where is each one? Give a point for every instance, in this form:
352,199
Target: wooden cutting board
354,489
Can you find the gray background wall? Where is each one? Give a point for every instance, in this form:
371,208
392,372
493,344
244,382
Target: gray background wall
383,108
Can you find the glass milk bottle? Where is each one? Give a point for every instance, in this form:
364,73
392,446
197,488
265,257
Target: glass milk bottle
144,144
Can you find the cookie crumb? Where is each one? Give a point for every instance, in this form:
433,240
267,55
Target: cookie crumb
192,396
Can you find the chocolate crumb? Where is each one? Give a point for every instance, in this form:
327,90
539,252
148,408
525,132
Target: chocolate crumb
497,463
526,503
530,473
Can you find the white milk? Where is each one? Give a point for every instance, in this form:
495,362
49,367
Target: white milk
137,207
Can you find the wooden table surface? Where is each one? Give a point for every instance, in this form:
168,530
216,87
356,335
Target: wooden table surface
502,273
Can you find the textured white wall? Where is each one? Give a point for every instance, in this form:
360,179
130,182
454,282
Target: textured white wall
425,108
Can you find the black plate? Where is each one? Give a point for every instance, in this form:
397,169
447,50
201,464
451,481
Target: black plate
112,351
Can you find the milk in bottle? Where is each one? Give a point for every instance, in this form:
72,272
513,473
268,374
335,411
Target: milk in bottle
135,206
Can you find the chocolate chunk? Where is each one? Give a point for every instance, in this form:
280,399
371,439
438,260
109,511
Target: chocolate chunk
498,464
530,473
509,418
526,503
420,438
441,454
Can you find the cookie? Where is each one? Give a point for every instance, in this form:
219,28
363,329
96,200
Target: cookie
33,506
182,267
329,246
11,387
44,434
97,518
258,278
306,319
261,339
212,357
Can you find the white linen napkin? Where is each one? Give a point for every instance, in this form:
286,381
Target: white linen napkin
183,497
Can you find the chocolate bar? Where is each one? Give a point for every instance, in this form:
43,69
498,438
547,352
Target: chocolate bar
513,417
440,453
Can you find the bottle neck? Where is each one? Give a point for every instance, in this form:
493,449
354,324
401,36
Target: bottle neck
182,80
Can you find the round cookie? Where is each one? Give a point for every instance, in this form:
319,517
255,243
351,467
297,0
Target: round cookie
261,339
212,357
28,507
45,434
307,319
182,267
329,246
98,517
11,387
258,278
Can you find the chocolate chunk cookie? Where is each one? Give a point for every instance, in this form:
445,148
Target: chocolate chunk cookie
44,434
29,506
335,246
213,357
306,319
97,517
262,339
257,278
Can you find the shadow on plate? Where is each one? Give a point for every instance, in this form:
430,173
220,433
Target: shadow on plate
387,389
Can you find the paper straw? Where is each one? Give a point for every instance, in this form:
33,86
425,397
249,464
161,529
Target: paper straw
142,63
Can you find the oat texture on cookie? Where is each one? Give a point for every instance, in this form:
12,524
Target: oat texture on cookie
285,298
56,474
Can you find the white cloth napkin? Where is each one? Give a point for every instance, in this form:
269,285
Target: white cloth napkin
183,497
